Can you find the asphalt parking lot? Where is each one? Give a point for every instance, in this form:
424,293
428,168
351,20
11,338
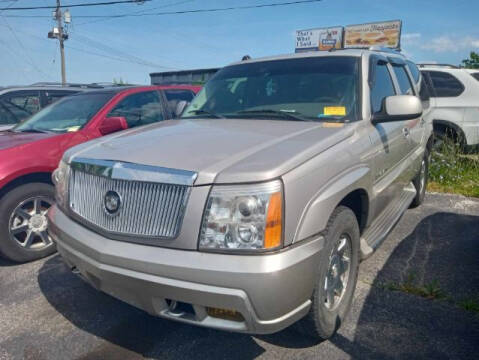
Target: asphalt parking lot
48,313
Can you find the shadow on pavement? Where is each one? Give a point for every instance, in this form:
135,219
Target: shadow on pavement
4,262
391,324
444,247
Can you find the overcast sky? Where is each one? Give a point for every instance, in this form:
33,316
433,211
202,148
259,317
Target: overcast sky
100,50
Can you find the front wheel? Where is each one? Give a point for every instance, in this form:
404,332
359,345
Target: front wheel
337,276
23,222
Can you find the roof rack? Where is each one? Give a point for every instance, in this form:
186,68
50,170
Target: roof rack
370,48
58,84
449,66
385,49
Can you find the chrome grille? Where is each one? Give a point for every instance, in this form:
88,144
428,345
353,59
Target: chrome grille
147,209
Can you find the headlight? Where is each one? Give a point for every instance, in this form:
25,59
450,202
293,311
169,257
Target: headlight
60,179
243,217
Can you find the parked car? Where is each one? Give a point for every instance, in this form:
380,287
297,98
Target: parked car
455,94
253,211
18,103
31,151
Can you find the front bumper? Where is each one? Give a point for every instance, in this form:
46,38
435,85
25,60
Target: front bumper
270,291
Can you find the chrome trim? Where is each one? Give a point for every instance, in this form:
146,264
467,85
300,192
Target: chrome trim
134,172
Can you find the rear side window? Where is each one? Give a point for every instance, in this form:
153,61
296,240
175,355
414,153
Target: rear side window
445,84
175,96
403,79
381,88
475,75
416,74
186,95
140,109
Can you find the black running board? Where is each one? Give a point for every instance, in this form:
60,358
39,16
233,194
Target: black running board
377,232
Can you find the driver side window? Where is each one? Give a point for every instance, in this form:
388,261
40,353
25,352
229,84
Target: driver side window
382,87
139,109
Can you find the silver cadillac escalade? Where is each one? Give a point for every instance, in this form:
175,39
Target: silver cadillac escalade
252,211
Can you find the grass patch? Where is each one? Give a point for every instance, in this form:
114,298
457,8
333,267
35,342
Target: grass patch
451,171
470,304
430,290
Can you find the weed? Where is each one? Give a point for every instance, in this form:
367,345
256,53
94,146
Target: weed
430,290
470,304
453,172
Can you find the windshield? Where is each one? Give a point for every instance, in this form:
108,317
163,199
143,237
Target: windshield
313,88
67,115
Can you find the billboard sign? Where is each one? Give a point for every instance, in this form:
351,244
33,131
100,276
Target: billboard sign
387,33
319,39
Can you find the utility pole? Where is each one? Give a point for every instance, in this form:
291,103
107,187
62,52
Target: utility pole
60,33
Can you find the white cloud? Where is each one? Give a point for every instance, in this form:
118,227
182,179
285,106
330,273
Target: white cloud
410,36
450,44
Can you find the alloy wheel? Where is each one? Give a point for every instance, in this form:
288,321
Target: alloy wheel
28,223
337,277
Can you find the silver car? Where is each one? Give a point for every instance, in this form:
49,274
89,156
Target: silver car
253,211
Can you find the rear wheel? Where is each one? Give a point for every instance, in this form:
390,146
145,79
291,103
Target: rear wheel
337,277
420,181
23,222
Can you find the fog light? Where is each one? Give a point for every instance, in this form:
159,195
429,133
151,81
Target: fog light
226,314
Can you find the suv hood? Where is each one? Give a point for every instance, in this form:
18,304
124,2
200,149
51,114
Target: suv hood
10,139
220,151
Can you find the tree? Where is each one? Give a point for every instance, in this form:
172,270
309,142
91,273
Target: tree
119,82
472,62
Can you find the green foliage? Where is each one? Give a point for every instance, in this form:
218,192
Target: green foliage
472,62
452,171
430,290
470,304
119,81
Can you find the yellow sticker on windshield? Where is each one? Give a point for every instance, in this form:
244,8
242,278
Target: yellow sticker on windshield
335,110
73,128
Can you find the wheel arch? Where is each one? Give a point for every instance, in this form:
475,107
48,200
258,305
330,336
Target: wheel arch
349,189
444,125
40,176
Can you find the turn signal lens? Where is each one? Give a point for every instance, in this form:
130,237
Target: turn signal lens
225,314
274,222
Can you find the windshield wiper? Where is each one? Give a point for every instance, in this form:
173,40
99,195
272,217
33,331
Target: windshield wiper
289,114
206,112
31,131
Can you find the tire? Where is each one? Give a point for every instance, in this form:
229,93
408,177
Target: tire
419,182
325,317
23,209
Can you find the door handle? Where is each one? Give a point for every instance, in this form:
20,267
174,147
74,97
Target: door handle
405,132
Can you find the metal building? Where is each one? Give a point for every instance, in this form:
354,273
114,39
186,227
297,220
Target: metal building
195,76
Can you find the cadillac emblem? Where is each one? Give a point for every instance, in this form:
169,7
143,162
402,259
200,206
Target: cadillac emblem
112,202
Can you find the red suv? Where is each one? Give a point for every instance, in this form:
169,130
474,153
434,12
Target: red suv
31,151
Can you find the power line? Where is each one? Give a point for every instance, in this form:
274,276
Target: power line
138,12
137,61
181,12
8,8
108,49
24,50
116,58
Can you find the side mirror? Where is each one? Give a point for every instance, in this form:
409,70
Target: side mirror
180,107
113,124
399,108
